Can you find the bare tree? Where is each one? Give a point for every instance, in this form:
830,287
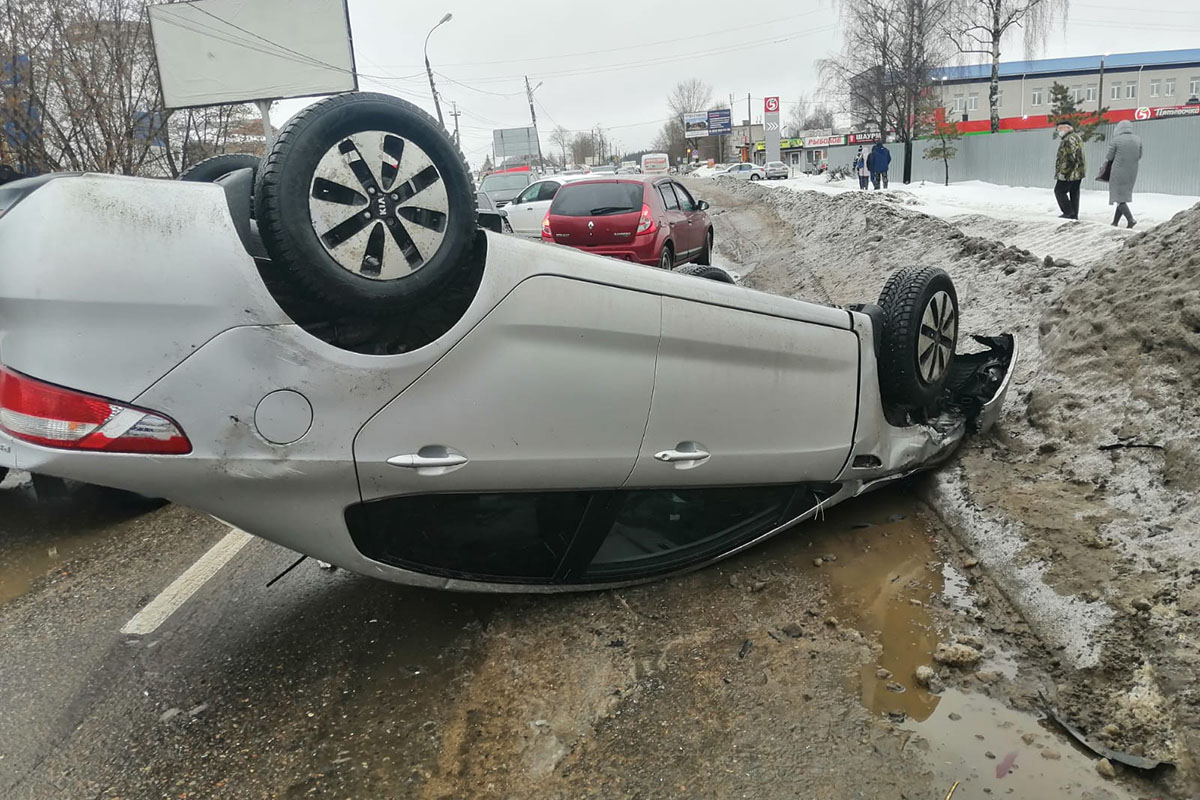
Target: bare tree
81,93
582,147
807,115
561,138
889,50
981,26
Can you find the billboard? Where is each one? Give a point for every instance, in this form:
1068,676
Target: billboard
771,127
515,142
720,122
695,123
211,52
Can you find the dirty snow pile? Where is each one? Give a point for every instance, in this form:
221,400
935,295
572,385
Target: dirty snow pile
1084,503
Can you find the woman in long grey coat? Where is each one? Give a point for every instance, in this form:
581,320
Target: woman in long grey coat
1124,151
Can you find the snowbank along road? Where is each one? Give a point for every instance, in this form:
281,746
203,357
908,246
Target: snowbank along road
1083,505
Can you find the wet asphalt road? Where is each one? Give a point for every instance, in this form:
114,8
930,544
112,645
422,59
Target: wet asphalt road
287,691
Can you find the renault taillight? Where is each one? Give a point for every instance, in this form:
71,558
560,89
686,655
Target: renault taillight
51,416
646,221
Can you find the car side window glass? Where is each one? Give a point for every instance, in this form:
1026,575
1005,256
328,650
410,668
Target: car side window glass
530,194
519,536
668,197
549,189
686,202
665,529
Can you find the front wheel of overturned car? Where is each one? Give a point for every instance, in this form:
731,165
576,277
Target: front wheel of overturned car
920,332
367,203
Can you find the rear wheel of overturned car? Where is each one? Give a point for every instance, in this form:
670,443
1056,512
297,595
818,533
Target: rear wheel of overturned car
920,333
367,203
706,271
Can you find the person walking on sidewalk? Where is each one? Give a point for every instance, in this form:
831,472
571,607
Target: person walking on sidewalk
879,161
861,170
1124,152
1069,169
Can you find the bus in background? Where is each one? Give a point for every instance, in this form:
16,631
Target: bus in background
656,164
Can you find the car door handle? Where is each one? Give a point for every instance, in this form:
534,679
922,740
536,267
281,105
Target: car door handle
675,456
686,455
417,461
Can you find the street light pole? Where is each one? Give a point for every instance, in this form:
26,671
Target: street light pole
429,69
1100,98
533,116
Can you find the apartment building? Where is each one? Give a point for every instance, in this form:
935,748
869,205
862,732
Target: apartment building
1120,81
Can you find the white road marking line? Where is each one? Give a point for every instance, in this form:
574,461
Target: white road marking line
170,599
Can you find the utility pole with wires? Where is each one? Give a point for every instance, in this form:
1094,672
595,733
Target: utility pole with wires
456,114
533,117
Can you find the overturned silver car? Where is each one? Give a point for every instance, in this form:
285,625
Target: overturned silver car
325,350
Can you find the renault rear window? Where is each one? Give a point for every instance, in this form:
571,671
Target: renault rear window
597,199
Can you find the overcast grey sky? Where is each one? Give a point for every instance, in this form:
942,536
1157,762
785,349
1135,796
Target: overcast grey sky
613,63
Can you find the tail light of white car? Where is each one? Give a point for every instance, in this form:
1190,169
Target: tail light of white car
646,221
51,416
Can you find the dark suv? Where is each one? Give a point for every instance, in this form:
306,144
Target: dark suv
651,220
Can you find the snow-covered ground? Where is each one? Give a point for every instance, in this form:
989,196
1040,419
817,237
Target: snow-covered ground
1023,203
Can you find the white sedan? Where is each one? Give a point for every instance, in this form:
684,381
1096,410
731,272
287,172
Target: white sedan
743,172
527,210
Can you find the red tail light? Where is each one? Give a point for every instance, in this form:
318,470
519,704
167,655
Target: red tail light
646,221
546,234
50,416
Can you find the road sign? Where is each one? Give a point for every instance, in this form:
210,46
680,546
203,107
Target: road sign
771,127
515,142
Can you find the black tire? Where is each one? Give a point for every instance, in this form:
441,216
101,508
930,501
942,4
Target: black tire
705,257
916,358
753,177
666,260
409,251
3,473
706,271
210,169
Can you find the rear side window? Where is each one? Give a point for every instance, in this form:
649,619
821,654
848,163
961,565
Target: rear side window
668,197
597,199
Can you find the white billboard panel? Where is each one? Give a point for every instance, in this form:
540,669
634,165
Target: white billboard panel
695,123
515,142
233,51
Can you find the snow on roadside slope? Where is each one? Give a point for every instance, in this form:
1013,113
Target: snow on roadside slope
1023,216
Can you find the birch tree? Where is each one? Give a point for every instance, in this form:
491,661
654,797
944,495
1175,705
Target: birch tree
980,27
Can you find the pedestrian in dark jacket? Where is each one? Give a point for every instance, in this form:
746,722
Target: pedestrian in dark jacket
1124,152
1069,169
860,169
879,161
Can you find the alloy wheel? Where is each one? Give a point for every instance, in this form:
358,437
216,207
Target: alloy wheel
939,332
378,205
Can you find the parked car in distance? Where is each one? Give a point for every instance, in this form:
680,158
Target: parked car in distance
504,186
604,169
743,172
776,170
526,211
650,220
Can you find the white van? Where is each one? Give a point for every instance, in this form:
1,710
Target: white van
656,164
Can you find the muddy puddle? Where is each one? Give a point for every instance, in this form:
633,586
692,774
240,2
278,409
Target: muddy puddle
884,573
37,539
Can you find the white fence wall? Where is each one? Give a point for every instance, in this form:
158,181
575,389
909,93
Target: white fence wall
1170,158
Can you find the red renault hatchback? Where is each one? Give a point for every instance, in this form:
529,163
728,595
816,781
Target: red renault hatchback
651,220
